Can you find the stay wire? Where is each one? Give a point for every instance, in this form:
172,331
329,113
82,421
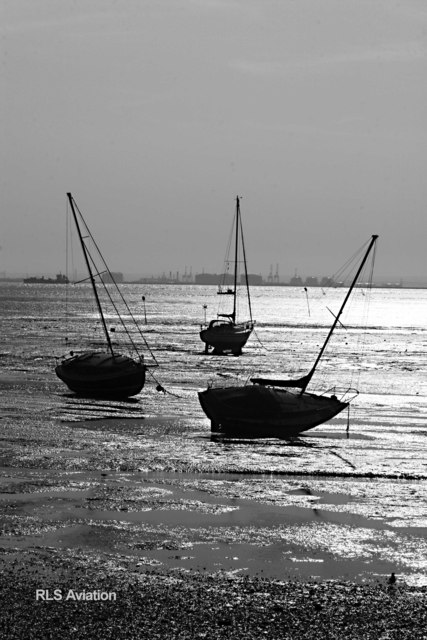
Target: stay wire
101,257
260,341
159,387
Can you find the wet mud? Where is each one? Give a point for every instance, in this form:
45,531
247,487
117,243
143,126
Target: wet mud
139,497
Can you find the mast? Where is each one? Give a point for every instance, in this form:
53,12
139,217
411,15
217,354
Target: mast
308,377
246,271
92,279
236,249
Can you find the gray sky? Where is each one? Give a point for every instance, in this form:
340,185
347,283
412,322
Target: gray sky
155,114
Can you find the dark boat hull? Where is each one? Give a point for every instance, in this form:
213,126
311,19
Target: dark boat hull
226,337
266,412
98,374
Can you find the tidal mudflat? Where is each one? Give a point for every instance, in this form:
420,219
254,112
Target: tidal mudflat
201,537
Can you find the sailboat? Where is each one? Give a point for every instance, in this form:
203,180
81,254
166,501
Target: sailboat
103,373
224,334
275,407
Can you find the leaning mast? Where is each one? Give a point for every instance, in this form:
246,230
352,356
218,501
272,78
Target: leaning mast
308,377
92,279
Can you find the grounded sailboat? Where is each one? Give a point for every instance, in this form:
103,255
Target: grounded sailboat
273,407
224,334
102,373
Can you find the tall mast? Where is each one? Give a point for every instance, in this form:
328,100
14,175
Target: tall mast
92,279
246,271
308,377
236,249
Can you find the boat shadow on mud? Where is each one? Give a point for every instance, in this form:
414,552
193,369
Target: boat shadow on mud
78,408
262,442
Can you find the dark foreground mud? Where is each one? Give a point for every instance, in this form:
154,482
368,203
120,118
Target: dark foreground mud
165,606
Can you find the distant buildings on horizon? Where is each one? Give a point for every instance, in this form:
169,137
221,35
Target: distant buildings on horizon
254,279
218,280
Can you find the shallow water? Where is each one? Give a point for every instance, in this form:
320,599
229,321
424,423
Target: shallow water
333,503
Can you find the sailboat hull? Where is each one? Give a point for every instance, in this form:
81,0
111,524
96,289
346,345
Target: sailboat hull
99,374
266,412
226,337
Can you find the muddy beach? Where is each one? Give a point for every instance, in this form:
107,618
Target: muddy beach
163,605
200,537
196,554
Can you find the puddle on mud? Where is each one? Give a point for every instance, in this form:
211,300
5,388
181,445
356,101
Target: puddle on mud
295,527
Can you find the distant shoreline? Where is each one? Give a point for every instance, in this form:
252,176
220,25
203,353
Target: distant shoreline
147,281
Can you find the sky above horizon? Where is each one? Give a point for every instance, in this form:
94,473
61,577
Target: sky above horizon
155,114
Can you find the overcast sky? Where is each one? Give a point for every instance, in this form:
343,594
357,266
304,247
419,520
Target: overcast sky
155,114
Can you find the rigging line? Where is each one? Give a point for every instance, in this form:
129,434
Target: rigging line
363,338
362,277
236,256
112,301
89,268
339,321
246,270
352,258
137,326
66,270
226,258
360,338
343,273
261,343
97,273
371,274
116,287
160,387
122,322
90,235
347,296
69,264
345,270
